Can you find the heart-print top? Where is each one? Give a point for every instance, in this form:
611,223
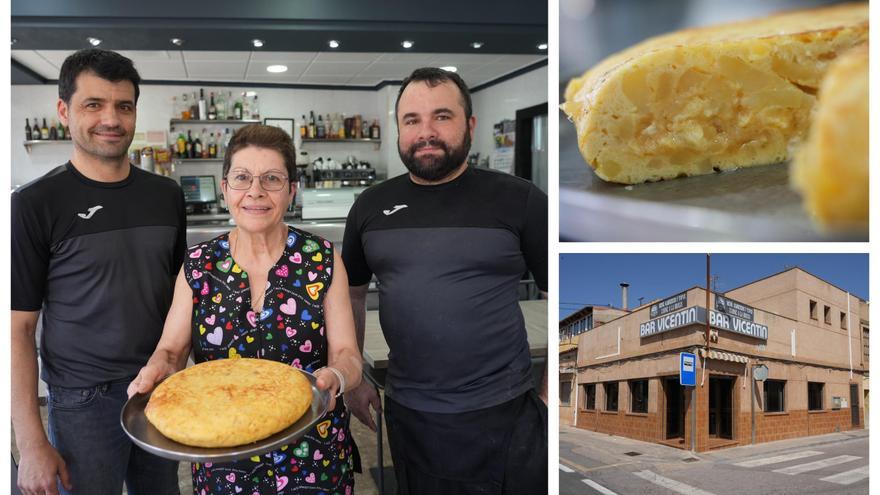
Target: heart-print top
290,329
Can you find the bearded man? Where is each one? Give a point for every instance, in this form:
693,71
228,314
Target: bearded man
449,245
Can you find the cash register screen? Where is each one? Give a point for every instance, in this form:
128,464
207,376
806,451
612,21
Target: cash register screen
198,189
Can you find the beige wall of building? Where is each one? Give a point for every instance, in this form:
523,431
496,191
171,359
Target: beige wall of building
801,347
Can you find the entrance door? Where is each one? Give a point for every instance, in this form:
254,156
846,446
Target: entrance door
674,408
721,407
854,403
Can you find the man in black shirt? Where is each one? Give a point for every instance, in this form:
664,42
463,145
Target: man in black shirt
96,244
449,245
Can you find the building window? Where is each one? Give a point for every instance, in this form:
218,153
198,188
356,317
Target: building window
611,396
827,315
865,346
638,393
843,320
774,395
813,310
590,396
815,392
565,393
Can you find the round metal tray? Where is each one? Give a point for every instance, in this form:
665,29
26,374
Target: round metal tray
145,435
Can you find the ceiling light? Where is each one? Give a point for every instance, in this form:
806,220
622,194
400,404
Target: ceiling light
542,46
450,68
333,44
477,45
277,68
176,41
93,41
407,44
257,43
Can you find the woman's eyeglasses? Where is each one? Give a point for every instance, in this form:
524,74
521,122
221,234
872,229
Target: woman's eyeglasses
270,181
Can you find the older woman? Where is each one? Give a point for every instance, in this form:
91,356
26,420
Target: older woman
266,290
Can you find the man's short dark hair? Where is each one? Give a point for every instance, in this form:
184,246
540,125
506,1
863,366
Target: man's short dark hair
103,63
433,77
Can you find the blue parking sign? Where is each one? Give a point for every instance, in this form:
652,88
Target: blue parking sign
687,369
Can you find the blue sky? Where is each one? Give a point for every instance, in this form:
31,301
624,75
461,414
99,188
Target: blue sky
594,278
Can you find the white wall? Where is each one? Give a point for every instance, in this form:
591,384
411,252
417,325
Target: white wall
154,111
501,101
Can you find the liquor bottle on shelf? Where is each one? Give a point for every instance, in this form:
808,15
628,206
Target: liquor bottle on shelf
246,110
365,129
181,146
184,108
190,145
331,127
194,107
374,130
255,108
44,131
303,128
53,132
230,106
321,130
313,131
27,130
212,147
203,105
221,106
238,110
225,144
197,147
204,139
212,109
340,131
61,133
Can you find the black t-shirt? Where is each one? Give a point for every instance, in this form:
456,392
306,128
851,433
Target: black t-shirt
449,259
99,259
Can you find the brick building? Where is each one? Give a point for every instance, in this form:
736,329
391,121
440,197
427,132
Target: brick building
570,329
811,336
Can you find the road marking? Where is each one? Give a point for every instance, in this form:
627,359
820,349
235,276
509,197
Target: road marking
848,477
812,466
565,468
676,486
599,488
585,469
778,458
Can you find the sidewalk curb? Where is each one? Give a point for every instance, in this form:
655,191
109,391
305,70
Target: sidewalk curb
836,437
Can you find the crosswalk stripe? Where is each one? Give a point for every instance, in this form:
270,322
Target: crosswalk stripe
848,477
599,488
565,468
676,486
812,466
778,458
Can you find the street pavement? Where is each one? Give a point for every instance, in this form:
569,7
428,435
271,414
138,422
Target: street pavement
597,463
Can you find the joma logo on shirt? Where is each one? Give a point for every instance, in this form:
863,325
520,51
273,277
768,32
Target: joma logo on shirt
394,210
91,212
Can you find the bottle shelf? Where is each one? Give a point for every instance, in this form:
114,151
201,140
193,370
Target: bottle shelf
377,141
196,160
225,121
29,143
